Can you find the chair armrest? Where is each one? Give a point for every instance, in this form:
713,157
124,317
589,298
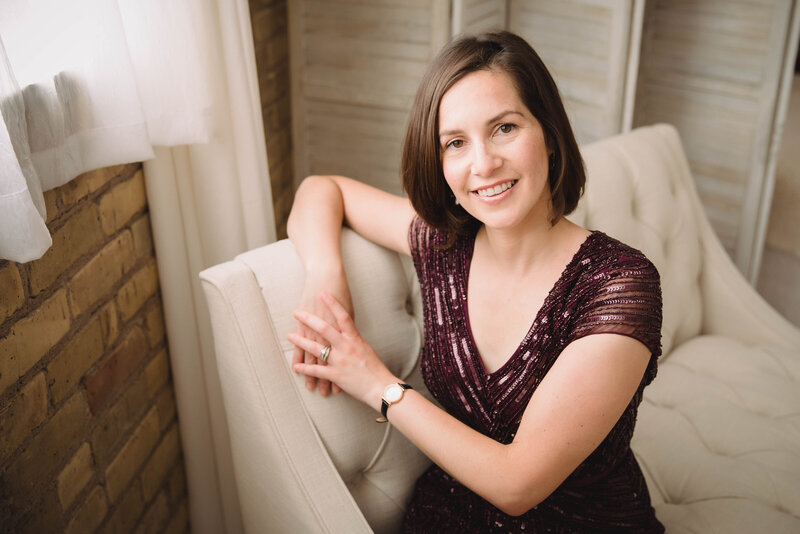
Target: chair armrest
285,477
732,307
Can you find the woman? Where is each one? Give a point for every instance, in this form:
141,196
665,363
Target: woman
534,435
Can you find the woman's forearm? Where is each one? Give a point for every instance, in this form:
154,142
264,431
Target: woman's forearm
477,461
315,223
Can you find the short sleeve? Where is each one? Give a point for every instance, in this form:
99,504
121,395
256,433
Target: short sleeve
623,297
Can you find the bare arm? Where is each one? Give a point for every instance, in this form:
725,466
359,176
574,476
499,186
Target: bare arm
572,411
322,204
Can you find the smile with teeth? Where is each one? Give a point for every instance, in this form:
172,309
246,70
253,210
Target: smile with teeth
496,190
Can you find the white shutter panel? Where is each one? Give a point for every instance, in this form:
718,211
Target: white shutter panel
591,49
476,16
355,69
717,70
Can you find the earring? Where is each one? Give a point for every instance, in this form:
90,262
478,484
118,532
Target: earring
457,202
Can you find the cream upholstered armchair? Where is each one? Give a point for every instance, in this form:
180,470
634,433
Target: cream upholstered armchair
718,435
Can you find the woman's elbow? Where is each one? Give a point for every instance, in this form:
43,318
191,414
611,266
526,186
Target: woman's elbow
517,507
516,502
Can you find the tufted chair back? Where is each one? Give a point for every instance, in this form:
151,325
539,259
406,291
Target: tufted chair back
639,190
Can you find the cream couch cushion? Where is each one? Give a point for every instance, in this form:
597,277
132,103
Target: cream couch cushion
718,435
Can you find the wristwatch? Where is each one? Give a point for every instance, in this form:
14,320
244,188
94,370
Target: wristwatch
391,395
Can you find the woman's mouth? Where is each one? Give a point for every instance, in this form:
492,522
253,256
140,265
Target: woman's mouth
495,190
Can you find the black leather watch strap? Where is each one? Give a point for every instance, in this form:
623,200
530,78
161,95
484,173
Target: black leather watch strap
385,405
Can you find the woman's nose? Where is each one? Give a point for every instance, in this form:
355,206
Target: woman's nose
484,160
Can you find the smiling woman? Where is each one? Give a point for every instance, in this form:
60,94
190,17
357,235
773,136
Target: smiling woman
540,335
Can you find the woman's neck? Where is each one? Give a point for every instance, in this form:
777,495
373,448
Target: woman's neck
520,251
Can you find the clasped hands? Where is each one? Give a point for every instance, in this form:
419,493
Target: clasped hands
353,364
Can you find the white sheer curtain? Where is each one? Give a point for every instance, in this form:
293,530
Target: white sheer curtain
86,84
207,204
90,83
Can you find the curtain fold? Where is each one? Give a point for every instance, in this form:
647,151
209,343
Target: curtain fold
23,234
208,203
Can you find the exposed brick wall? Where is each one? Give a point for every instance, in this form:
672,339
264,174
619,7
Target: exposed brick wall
88,429
271,37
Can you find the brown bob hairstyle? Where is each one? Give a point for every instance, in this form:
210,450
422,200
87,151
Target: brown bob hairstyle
421,166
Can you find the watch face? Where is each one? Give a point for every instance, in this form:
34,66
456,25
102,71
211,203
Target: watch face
393,393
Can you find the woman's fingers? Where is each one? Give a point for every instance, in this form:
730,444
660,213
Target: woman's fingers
343,319
307,357
318,325
318,371
308,345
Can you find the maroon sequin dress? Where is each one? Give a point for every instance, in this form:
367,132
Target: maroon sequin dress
606,287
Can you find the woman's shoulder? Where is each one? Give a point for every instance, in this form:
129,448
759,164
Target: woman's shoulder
605,256
618,290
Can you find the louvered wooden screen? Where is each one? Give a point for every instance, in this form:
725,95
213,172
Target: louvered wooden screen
714,70
355,69
475,16
587,46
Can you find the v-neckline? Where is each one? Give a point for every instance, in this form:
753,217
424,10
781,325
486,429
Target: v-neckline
478,359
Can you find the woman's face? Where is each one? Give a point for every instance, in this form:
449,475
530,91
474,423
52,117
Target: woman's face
494,154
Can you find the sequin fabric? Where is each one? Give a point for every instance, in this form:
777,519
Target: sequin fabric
607,287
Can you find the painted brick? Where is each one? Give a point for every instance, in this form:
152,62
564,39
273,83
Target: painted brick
142,285
50,205
166,407
161,463
26,410
32,337
101,273
109,323
87,183
90,514
69,365
44,516
126,514
12,294
157,373
122,202
78,236
177,484
44,454
108,377
156,516
154,324
132,456
75,476
179,521
142,237
118,419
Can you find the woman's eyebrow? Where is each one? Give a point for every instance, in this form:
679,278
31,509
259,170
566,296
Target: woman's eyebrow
496,118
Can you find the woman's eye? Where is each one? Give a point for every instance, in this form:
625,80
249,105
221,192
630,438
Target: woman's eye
455,143
506,128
